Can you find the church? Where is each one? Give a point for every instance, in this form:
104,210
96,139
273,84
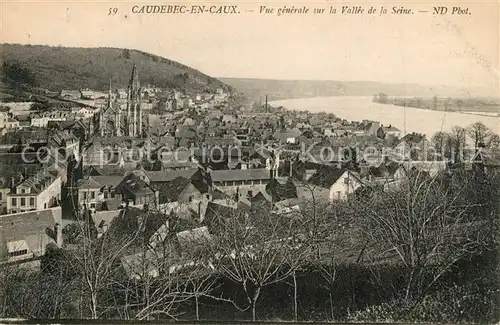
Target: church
124,120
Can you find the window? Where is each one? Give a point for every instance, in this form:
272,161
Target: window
92,195
32,201
105,194
0,195
191,198
14,201
23,191
18,253
84,195
338,195
23,201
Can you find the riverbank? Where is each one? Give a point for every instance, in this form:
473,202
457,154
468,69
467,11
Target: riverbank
409,119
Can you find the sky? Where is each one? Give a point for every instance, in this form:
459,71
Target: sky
451,50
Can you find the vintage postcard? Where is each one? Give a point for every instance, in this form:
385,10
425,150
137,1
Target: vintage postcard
303,161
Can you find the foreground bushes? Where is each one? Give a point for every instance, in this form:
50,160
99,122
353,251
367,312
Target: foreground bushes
469,303
360,293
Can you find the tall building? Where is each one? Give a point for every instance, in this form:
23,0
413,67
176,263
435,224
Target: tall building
114,122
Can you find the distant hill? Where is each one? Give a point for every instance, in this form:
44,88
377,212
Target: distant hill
57,68
285,89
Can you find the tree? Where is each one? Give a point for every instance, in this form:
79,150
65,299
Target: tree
457,143
97,263
494,141
440,141
425,224
257,251
479,133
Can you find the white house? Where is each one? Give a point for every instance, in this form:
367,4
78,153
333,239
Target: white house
85,113
7,122
339,182
38,192
345,185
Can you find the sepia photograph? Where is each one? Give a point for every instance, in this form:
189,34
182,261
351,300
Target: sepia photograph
249,162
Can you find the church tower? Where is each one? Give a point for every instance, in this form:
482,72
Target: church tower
134,113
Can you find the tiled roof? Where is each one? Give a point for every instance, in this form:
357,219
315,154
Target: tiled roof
412,137
29,226
326,176
240,174
169,192
89,183
108,180
38,182
170,175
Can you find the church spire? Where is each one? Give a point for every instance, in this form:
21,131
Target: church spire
109,94
134,103
134,79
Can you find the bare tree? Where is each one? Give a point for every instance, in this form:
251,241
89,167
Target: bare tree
97,263
479,133
457,141
163,275
424,224
258,250
440,141
494,141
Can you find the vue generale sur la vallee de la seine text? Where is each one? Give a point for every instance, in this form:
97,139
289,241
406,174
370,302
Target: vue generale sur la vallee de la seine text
283,10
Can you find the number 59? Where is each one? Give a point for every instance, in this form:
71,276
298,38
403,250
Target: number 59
112,11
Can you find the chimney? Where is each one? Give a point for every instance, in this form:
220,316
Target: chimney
58,235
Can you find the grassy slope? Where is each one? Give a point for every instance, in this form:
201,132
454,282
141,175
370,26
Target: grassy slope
58,68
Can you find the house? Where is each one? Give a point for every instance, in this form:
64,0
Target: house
413,145
38,192
24,237
89,193
157,178
98,192
70,94
182,190
43,119
488,160
174,160
103,219
84,113
229,118
65,143
367,128
91,94
136,190
281,188
391,130
288,136
340,182
20,108
8,123
229,181
431,168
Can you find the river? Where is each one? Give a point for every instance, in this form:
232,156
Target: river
355,108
